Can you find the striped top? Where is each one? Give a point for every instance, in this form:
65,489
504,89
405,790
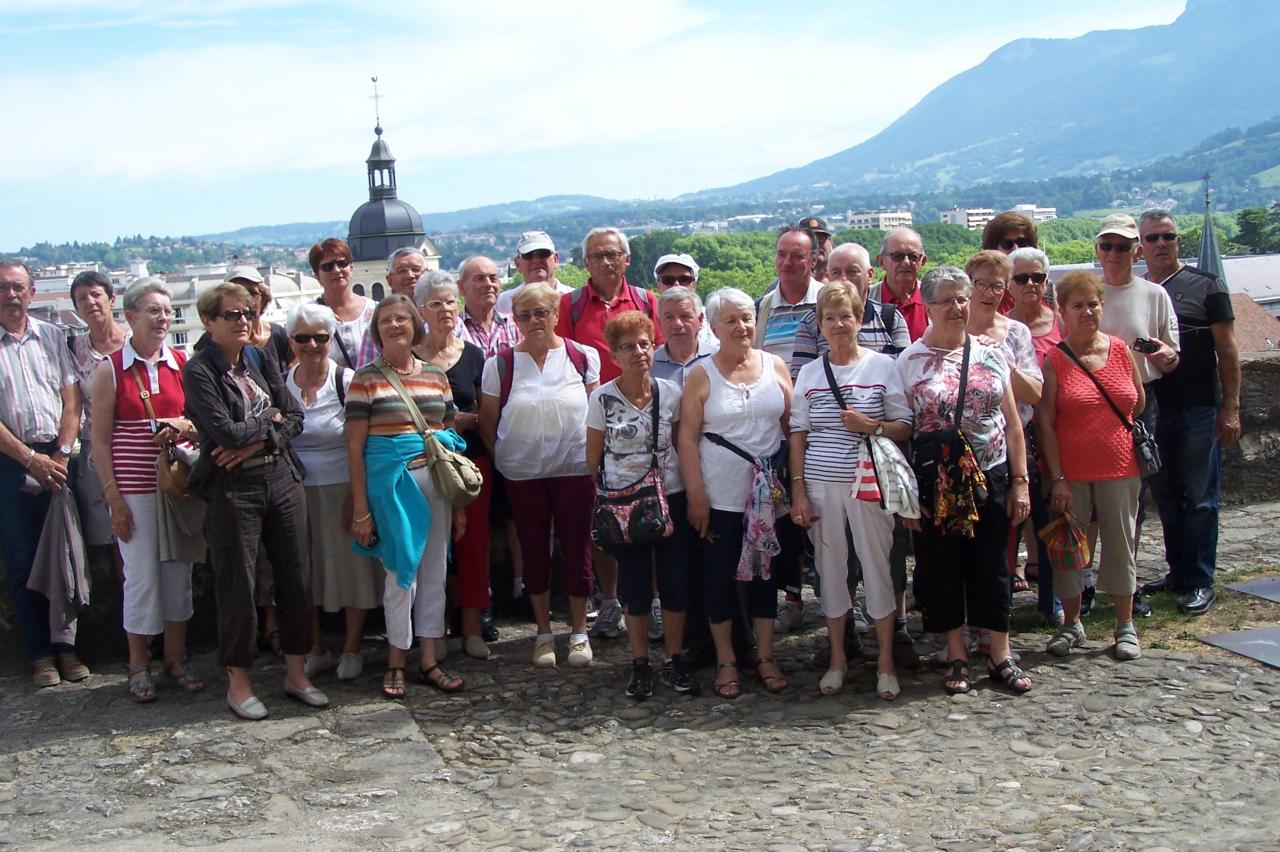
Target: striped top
374,399
133,453
34,368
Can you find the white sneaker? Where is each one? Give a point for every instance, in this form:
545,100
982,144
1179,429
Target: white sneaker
544,654
313,665
350,666
860,620
608,621
790,616
580,655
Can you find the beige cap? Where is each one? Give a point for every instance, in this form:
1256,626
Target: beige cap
1120,224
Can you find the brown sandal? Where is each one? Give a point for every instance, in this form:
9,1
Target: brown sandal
440,679
179,673
772,683
730,689
393,685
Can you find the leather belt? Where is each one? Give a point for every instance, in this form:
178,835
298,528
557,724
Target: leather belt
258,461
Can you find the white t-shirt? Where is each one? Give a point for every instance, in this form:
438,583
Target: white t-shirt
1139,309
871,385
628,434
351,334
506,297
322,446
543,428
1019,350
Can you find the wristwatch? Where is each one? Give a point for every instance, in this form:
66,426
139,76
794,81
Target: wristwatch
879,433
65,449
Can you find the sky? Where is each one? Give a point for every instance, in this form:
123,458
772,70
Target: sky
201,116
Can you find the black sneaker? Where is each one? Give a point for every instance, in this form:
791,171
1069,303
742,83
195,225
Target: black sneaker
1141,608
641,686
1086,600
488,630
680,676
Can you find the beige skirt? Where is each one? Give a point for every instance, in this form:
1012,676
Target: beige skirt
339,577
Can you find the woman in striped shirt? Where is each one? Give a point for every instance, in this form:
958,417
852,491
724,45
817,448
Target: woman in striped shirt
128,437
830,451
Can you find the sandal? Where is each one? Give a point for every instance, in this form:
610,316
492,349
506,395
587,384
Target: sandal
772,683
730,689
1008,673
393,683
179,674
1020,584
959,681
832,682
440,679
142,690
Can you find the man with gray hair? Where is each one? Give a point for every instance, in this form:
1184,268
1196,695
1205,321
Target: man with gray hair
39,420
902,257
680,317
536,260
480,322
404,267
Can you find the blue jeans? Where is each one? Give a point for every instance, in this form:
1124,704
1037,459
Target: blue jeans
1186,491
21,522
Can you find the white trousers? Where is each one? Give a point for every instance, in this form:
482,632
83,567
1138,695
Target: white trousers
872,530
154,591
419,609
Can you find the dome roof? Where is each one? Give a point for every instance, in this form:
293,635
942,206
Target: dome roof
382,225
380,152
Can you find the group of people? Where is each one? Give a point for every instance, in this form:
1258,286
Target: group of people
829,421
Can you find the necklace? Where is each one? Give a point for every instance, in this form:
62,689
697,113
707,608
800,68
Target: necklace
413,368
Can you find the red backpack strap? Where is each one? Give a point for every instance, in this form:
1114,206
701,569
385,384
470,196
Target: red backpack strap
577,357
644,299
577,306
506,367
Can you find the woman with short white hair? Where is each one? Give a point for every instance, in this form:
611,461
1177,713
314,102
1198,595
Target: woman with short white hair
340,579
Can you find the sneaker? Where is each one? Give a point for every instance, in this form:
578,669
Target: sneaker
594,603
641,686
314,664
1127,647
680,675
608,620
580,655
655,621
1066,639
474,646
1141,608
44,672
488,630
544,654
350,666
1086,599
72,669
790,616
860,620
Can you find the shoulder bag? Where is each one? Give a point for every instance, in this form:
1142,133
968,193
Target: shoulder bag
636,513
172,469
1144,443
867,455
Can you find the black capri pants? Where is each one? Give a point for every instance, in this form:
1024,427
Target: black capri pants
670,556
720,551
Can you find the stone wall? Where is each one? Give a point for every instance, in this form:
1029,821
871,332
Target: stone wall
1251,469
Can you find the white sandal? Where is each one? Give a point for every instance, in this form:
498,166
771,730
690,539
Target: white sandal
887,686
832,682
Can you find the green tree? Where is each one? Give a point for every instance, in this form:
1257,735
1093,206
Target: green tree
1259,229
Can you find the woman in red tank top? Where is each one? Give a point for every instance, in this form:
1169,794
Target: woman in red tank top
1089,455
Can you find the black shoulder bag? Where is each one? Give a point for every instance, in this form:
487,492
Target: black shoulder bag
1144,443
636,513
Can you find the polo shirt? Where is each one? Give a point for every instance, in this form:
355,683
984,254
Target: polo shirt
1199,301
664,368
589,330
912,309
777,321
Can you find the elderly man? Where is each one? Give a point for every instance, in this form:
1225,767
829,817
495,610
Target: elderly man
1193,426
536,260
902,257
681,270
607,293
821,235
792,296
681,320
480,322
39,419
404,268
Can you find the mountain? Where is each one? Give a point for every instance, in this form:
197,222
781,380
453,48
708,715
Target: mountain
1040,108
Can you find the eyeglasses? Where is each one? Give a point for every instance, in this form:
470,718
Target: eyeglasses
156,312
958,301
1010,245
13,288
236,316
1037,278
437,304
304,339
414,271
330,265
990,286
1164,237
673,280
535,314
536,254
908,256
635,346
606,256
1122,248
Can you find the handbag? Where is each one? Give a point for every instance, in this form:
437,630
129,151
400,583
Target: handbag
636,513
456,477
873,491
1144,443
173,470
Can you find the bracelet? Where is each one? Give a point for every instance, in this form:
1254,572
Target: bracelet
1022,477
111,483
1062,477
362,519
799,477
31,456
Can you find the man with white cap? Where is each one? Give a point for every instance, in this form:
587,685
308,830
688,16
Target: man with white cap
681,270
536,260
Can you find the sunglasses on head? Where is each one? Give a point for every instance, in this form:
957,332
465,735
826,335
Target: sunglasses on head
1166,237
1010,245
304,339
330,265
673,280
1024,277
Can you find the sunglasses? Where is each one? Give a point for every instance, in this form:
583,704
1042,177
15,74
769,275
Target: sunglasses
1166,237
330,265
536,314
236,316
1024,278
536,254
1123,248
673,280
304,339
1010,245
908,256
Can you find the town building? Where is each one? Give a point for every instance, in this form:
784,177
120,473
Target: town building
1036,214
973,218
881,220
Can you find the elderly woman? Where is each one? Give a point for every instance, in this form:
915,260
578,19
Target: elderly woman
742,397
340,579
436,295
621,450
252,481
398,516
331,262
93,298
972,472
533,417
829,442
682,323
1089,454
129,430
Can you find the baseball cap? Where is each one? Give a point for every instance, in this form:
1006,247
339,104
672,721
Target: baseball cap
815,224
1120,224
244,273
535,241
682,259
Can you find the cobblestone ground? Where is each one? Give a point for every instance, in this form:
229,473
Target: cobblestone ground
1172,751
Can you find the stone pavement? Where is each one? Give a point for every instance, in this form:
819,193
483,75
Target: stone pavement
1177,751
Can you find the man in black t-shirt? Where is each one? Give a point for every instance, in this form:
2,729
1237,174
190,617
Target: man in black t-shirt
1199,415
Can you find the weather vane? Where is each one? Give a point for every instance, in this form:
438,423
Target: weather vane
376,114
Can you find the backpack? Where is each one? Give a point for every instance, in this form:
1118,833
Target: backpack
507,367
578,303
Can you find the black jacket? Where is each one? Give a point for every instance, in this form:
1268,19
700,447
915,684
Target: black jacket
216,406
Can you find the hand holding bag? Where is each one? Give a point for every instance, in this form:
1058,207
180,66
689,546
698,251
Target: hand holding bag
173,468
1144,443
637,513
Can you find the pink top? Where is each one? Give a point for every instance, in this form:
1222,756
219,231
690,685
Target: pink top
1048,340
1092,442
133,453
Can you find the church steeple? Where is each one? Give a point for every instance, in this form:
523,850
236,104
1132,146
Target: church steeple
382,166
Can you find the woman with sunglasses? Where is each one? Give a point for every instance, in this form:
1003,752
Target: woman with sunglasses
340,579
252,481
332,264
1007,232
